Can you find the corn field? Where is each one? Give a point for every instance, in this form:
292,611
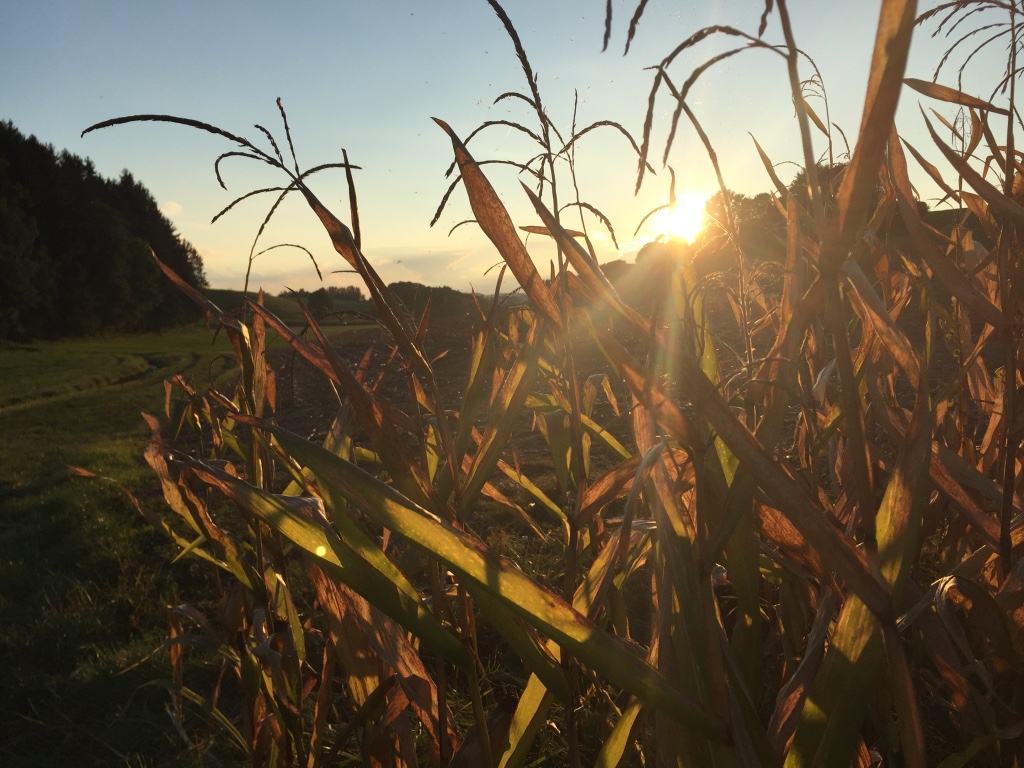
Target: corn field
801,546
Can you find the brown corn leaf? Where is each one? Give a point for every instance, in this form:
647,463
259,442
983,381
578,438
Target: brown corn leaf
946,272
789,702
495,222
389,644
951,95
505,411
888,63
977,206
873,312
770,167
814,117
376,415
997,201
977,133
585,266
933,172
831,722
536,230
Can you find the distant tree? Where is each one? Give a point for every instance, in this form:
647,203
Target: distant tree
76,248
320,301
23,261
346,293
829,176
759,231
616,270
445,302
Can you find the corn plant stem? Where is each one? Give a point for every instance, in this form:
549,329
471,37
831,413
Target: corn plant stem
716,676
479,714
810,166
1012,437
853,415
576,463
447,440
908,712
1009,305
568,665
1009,171
437,596
416,412
568,586
733,228
569,358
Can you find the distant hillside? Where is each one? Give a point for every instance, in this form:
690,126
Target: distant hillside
75,248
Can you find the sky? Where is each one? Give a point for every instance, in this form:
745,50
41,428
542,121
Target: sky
369,76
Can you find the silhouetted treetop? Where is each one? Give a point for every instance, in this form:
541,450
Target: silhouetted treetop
75,248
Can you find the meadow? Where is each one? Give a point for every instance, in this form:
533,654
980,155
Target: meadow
86,583
85,589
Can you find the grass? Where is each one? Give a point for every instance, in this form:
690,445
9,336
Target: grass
85,581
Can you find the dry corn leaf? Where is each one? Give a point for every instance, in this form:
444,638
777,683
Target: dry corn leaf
496,224
944,271
951,95
997,201
932,172
888,63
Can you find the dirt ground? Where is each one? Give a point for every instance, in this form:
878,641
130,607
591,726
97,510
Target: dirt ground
307,404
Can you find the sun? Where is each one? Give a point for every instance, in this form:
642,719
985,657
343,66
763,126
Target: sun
685,220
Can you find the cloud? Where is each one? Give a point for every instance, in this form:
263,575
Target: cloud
459,268
170,208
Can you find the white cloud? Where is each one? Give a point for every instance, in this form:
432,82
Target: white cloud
170,208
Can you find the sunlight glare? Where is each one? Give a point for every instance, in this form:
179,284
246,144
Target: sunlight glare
685,221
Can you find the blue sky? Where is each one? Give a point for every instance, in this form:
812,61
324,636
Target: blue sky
368,76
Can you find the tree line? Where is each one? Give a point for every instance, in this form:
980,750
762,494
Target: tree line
75,248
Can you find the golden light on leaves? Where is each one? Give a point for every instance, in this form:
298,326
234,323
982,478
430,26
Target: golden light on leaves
685,220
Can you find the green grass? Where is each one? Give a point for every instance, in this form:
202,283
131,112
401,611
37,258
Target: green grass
85,582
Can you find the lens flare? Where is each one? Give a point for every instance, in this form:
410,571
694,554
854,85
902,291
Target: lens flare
685,220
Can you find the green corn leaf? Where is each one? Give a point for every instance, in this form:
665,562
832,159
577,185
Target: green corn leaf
835,708
528,719
614,748
338,559
217,714
504,414
530,487
538,660
609,656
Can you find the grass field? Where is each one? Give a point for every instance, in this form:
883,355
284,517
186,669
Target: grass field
85,581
